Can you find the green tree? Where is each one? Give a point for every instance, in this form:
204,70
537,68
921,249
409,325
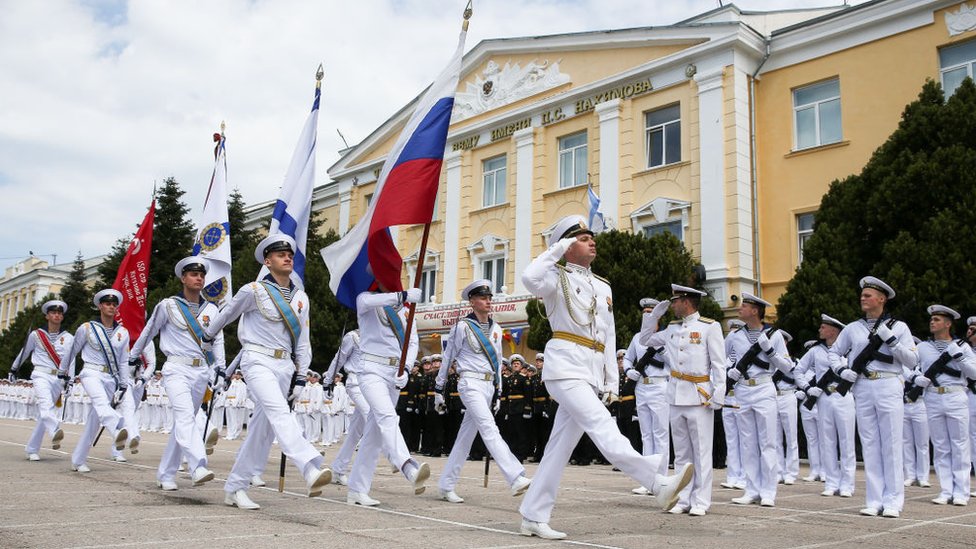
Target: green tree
244,268
77,295
109,269
904,219
173,236
13,338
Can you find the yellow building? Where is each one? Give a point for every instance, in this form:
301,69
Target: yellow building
724,129
27,282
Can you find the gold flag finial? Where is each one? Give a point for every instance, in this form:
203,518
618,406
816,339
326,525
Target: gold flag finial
223,126
319,73
467,15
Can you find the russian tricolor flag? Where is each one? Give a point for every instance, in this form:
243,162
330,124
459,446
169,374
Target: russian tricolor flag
405,194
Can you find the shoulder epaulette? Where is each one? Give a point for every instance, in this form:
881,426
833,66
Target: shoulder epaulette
706,320
598,277
674,322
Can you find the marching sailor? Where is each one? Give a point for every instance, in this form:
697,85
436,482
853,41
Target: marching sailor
475,342
180,321
273,331
381,319
104,347
944,364
47,348
347,359
648,368
735,477
695,353
581,374
887,346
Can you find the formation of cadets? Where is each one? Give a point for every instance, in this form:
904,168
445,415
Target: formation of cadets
581,401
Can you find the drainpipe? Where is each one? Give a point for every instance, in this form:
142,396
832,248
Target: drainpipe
755,176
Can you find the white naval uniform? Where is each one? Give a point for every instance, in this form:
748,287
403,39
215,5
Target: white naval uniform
268,368
581,304
971,394
75,406
786,435
235,398
186,374
735,475
348,359
340,400
835,419
652,402
101,380
379,360
477,386
694,350
132,398
47,387
758,410
880,409
948,411
915,433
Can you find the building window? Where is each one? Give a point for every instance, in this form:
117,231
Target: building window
494,171
673,227
572,160
428,284
804,230
955,64
816,114
494,270
663,136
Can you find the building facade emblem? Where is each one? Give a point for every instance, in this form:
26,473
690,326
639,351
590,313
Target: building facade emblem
497,86
961,21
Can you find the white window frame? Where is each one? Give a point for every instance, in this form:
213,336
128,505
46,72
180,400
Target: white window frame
428,283
497,285
489,248
432,263
662,211
816,105
663,128
494,173
969,65
802,235
574,153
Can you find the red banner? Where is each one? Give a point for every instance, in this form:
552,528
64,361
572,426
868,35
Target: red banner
133,276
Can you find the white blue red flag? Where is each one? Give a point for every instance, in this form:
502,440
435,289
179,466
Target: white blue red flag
294,206
405,194
213,242
595,221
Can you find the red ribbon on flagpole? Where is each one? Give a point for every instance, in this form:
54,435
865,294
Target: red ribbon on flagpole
133,276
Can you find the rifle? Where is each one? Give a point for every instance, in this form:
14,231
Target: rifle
752,356
940,366
823,383
648,359
487,463
971,383
860,363
291,406
778,376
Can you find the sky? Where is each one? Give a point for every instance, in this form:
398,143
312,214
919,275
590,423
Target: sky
102,99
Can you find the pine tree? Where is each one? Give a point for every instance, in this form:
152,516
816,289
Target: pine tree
109,269
173,236
906,218
77,295
13,338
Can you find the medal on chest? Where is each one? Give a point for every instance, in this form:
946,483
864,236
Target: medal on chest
694,338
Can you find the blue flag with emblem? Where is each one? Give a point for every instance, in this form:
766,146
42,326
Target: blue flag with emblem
213,241
195,330
288,315
486,346
395,323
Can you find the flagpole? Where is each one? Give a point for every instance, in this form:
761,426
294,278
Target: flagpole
412,307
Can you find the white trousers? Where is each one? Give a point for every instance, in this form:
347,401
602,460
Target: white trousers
787,445
100,387
185,386
47,389
357,425
652,415
756,419
382,431
581,411
127,409
880,409
733,451
267,382
811,431
235,421
836,416
476,395
916,441
692,430
972,427
949,428
338,427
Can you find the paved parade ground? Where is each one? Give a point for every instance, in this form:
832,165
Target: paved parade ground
44,504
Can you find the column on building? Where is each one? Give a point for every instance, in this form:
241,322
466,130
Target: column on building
712,184
524,159
345,203
452,226
608,113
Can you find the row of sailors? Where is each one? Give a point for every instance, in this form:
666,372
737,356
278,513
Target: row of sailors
323,411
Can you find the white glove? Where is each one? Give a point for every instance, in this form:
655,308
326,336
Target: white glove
886,335
954,349
296,392
139,382
496,405
206,346
848,375
734,375
763,341
609,398
414,295
800,395
660,309
633,374
439,401
564,244
11,377
714,405
401,380
117,397
815,391
922,381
